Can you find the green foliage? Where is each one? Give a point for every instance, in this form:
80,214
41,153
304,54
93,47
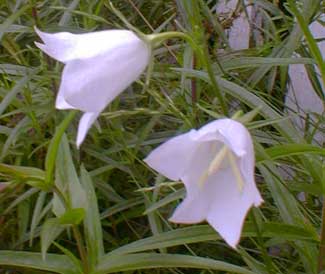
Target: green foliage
99,209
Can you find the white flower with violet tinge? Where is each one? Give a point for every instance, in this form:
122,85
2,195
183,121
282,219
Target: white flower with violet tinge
216,164
98,67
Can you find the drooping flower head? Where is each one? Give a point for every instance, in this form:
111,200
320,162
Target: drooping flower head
216,164
98,67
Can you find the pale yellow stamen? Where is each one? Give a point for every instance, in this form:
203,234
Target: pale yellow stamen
216,163
239,178
203,179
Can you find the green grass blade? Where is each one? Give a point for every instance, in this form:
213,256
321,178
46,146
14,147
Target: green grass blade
9,21
154,261
92,224
31,260
54,146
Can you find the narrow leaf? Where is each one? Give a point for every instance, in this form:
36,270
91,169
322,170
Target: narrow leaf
154,260
31,260
72,216
92,224
51,229
54,146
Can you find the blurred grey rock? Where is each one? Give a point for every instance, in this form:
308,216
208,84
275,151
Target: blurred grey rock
301,99
238,32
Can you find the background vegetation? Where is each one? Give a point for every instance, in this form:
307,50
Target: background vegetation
129,231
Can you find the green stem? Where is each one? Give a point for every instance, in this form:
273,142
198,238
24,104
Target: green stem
51,157
266,258
214,82
76,233
61,196
237,115
321,256
157,39
81,248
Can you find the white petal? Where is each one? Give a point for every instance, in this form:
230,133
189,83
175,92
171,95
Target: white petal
219,202
65,46
90,84
230,206
57,45
246,165
191,210
172,157
85,123
228,131
61,103
196,204
238,139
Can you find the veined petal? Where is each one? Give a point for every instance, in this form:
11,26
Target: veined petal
90,84
65,46
172,157
85,123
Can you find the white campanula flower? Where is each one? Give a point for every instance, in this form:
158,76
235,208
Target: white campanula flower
216,164
98,67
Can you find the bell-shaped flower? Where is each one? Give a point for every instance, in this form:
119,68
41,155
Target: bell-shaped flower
98,67
216,164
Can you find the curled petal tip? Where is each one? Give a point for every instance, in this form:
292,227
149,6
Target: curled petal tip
85,123
78,143
36,29
61,103
40,46
39,32
258,202
233,245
